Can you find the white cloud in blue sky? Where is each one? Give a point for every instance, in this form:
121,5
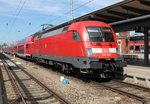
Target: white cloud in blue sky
38,12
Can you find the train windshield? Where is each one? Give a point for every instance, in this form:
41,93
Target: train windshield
100,34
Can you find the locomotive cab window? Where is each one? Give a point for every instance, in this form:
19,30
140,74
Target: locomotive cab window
76,36
100,34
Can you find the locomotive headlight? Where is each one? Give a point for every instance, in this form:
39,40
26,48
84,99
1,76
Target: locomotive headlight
89,52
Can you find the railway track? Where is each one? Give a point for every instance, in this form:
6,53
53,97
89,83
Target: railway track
139,93
29,89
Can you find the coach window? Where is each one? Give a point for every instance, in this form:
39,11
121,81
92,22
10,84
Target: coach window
137,47
76,36
131,48
142,47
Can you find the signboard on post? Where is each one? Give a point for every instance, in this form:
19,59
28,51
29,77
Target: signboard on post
139,29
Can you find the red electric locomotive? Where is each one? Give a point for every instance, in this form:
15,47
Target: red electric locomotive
86,46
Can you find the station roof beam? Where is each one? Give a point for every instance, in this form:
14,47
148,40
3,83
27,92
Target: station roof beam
120,14
147,3
136,10
111,18
95,17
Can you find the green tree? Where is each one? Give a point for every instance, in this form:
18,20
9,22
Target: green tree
3,45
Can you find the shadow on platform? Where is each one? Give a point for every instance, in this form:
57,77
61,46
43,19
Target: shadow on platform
135,59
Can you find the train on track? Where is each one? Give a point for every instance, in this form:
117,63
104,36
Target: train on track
88,47
138,47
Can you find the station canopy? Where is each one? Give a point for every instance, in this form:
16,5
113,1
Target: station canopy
122,16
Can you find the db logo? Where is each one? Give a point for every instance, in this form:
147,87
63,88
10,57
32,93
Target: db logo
105,50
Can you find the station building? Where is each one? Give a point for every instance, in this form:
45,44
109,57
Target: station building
123,39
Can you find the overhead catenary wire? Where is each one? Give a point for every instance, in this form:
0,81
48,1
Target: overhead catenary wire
73,10
56,18
17,14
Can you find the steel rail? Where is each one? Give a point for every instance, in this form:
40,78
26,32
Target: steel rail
3,89
60,98
48,89
132,85
142,99
13,80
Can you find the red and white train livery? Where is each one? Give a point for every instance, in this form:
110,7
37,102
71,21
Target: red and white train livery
86,46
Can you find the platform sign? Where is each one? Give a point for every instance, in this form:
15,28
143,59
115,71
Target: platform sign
139,29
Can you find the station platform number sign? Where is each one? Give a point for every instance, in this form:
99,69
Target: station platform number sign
139,29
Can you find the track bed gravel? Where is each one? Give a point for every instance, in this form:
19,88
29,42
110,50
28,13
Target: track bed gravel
77,91
12,97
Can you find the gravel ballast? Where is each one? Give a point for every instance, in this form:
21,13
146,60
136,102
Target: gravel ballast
77,91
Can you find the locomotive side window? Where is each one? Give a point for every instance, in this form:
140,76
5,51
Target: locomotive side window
76,36
100,34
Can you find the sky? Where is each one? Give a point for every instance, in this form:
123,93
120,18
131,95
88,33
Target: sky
22,18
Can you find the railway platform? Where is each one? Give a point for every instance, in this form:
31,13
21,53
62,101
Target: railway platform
138,73
135,59
136,69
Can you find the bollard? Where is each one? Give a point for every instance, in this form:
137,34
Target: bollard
147,82
135,79
117,100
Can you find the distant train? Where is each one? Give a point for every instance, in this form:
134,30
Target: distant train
88,47
138,47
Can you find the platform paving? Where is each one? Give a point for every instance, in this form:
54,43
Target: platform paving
138,72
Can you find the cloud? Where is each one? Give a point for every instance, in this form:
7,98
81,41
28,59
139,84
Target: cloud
43,6
41,11
52,6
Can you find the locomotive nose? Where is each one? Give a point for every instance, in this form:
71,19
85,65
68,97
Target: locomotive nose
103,50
